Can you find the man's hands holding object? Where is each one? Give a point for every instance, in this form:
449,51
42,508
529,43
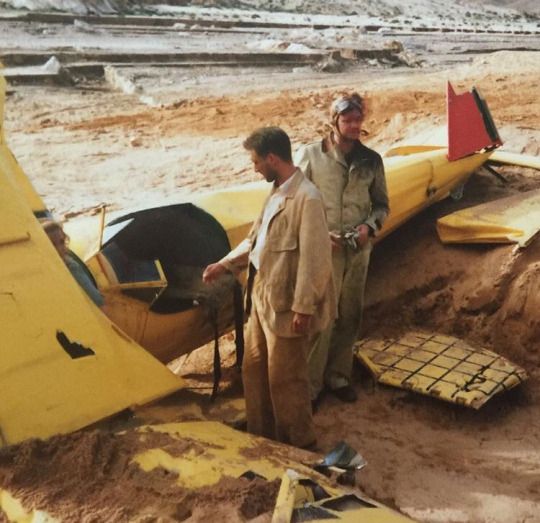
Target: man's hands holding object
354,238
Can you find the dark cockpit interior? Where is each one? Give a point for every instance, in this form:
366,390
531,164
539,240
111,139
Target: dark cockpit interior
183,238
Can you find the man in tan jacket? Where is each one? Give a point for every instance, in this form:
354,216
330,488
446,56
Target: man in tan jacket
350,177
290,292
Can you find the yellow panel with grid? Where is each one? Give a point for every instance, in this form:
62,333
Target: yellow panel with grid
439,365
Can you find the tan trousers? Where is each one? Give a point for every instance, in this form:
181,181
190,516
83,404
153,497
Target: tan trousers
276,384
331,355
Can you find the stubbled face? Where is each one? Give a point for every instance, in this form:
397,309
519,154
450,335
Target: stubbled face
349,124
264,166
59,240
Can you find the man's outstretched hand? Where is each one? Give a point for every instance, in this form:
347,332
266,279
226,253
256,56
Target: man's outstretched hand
213,272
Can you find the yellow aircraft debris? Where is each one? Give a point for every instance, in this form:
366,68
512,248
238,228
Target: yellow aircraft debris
509,220
441,366
197,456
63,365
523,160
229,453
302,499
84,362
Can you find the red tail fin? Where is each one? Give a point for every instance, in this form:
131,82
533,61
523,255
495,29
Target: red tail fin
470,125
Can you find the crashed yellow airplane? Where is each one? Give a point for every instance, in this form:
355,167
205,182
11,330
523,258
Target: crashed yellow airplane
149,268
149,265
65,365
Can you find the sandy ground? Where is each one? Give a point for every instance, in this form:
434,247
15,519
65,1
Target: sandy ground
435,462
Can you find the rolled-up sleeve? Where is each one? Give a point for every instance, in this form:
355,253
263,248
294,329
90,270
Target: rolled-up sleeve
237,260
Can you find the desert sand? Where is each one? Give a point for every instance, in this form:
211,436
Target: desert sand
89,145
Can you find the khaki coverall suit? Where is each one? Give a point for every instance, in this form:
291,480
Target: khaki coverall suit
294,275
354,192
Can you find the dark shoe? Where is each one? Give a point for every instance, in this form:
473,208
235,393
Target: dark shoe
346,394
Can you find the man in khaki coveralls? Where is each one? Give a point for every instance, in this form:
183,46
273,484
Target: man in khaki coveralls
291,292
351,179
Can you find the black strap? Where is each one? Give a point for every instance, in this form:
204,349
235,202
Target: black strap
213,316
252,271
239,323
238,308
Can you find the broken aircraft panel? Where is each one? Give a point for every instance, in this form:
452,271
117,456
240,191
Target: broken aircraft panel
509,220
199,455
300,498
441,366
63,365
229,453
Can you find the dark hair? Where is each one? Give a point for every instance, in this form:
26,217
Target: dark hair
268,140
50,226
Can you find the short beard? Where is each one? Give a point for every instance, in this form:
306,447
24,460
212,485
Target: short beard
271,175
343,138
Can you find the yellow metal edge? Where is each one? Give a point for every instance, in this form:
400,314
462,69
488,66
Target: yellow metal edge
514,219
286,498
521,160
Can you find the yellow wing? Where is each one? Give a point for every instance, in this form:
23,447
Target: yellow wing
509,220
63,364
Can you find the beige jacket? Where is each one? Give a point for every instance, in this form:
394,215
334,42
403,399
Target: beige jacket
354,192
295,273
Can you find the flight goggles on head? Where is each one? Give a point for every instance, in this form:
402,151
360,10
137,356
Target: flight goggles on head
344,104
